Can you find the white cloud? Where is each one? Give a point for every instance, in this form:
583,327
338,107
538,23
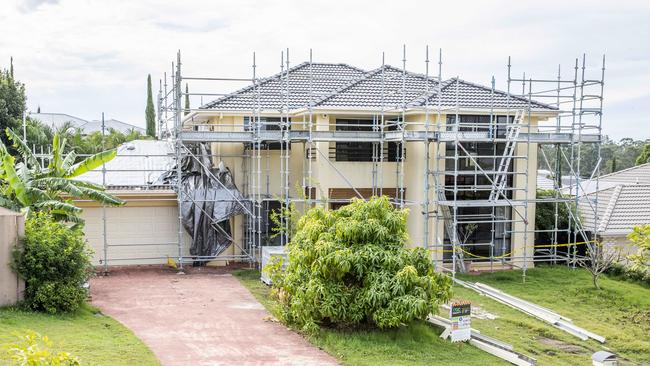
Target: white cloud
87,56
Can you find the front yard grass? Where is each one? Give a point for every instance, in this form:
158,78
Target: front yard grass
417,344
620,312
94,338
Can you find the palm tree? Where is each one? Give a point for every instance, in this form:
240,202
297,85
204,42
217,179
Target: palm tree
27,186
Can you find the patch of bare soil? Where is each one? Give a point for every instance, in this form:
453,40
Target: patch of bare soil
562,346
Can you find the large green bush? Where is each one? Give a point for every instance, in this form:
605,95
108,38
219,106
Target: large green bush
351,266
54,261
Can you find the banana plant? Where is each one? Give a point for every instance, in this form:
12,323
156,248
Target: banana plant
27,186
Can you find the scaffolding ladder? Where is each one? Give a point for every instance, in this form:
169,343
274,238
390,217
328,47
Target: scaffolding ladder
501,176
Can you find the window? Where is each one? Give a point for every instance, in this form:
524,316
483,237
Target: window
481,123
363,151
268,124
472,184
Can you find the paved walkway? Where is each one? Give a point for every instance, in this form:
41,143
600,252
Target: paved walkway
200,319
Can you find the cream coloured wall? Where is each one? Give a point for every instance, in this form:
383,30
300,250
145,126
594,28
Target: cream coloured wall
359,174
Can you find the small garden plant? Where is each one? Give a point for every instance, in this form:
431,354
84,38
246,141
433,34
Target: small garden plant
351,267
54,261
33,349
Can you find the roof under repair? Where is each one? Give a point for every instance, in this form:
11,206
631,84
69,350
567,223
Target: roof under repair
329,85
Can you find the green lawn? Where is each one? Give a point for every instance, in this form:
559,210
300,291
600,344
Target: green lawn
620,312
418,344
94,338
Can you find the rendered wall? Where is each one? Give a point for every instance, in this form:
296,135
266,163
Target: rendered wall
12,228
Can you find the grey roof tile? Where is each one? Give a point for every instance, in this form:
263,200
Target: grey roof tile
345,86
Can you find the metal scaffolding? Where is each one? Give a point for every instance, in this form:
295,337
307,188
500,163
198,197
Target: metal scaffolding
476,172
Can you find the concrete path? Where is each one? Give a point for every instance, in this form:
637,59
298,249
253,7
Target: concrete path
202,318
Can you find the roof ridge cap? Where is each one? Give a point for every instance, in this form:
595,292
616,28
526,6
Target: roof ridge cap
611,205
545,105
262,81
347,86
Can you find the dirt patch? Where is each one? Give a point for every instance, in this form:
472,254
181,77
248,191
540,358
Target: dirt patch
562,346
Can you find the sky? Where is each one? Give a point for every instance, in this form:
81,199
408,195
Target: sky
85,57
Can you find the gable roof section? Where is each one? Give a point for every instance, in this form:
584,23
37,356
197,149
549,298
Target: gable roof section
345,86
639,174
326,78
620,208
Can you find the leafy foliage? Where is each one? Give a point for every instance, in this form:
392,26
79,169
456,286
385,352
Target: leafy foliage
640,237
644,155
33,349
12,101
350,267
545,217
615,156
54,261
25,185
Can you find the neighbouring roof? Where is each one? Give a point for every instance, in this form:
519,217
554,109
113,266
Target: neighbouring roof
95,125
620,208
639,174
57,120
138,165
543,180
345,86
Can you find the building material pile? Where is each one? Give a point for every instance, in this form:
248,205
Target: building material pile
535,310
490,345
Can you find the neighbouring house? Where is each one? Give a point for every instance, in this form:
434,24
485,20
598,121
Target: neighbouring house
333,98
145,229
614,204
57,120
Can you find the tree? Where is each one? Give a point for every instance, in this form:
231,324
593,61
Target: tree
187,100
640,238
545,217
150,114
12,102
351,266
28,187
644,156
598,260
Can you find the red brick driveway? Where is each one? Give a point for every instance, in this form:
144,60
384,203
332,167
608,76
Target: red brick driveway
203,318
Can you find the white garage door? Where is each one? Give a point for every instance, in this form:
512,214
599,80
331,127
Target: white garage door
135,235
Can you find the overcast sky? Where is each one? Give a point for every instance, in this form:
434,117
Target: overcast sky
87,57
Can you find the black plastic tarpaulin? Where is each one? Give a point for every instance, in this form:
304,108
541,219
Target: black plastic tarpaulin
209,198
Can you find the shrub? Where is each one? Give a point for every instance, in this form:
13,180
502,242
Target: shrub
640,237
350,267
35,350
54,262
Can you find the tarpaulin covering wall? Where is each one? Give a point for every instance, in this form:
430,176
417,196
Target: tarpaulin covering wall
209,199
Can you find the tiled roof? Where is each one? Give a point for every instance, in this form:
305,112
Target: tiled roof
620,208
639,174
124,127
138,163
56,120
344,86
325,78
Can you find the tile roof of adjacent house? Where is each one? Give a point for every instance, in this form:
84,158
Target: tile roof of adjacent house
349,87
138,163
639,174
95,125
57,120
620,208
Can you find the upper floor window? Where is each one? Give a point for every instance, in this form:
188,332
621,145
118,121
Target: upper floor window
268,124
363,151
481,123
